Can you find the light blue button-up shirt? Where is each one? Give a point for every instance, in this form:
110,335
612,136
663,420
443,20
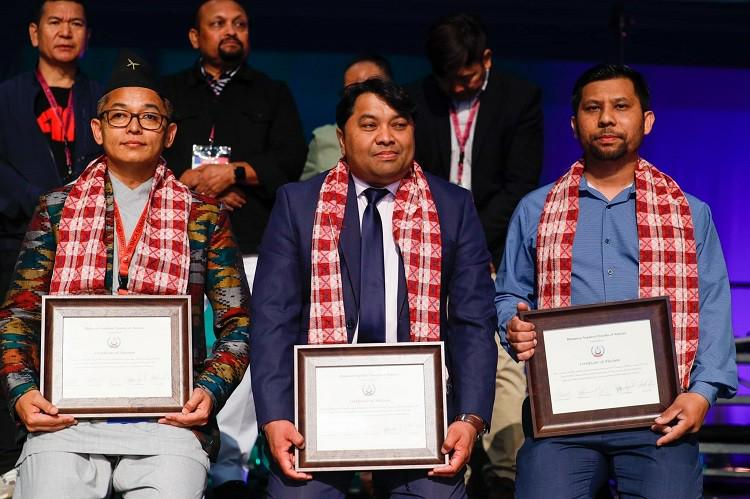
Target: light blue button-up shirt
605,269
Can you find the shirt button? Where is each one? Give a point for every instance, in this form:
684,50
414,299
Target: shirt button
609,206
606,241
610,271
350,324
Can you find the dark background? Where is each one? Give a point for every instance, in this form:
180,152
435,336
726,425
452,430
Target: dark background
683,32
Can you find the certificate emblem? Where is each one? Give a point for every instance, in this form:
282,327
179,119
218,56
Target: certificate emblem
368,389
114,342
597,351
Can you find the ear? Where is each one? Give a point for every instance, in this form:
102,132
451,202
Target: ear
193,37
648,122
170,135
96,130
34,34
487,59
340,136
574,126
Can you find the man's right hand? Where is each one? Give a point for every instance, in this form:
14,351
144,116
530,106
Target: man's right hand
282,438
521,335
38,414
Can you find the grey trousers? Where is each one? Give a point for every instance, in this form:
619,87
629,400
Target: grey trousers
69,475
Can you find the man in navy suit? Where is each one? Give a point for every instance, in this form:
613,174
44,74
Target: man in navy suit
423,281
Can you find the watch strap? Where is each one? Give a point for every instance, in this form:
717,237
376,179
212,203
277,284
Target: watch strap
477,422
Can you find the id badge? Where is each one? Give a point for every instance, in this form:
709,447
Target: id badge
210,154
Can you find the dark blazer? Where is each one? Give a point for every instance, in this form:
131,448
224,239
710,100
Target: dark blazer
258,118
281,298
507,153
27,165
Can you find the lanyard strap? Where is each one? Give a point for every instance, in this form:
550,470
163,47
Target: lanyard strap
462,136
64,117
127,249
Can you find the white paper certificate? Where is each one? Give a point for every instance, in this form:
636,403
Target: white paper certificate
370,407
601,367
109,357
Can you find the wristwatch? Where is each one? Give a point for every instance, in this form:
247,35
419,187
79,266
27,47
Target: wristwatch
239,175
475,421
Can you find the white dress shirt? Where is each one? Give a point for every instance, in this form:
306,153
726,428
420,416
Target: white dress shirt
391,259
463,110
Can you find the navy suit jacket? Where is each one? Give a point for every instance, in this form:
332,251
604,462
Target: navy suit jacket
281,297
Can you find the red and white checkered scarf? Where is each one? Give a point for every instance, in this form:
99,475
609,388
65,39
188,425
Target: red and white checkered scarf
668,264
162,259
416,230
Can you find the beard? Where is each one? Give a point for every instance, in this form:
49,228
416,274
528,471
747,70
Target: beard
232,55
610,154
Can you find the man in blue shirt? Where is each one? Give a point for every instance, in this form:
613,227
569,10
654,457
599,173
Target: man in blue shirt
609,256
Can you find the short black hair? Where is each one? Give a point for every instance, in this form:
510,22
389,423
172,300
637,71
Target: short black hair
602,72
377,59
393,94
201,3
454,42
39,7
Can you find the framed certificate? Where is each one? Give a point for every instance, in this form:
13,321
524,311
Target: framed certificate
601,367
116,356
367,407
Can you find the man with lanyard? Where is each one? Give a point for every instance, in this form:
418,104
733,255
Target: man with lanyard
45,140
636,235
481,129
250,135
127,226
403,260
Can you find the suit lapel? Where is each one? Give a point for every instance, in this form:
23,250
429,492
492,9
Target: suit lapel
443,134
439,127
489,100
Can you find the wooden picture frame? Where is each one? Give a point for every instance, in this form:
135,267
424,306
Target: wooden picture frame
116,356
370,407
601,380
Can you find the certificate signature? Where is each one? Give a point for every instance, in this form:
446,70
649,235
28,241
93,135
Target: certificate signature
601,367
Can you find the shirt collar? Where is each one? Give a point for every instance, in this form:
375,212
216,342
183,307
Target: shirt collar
360,186
585,187
225,75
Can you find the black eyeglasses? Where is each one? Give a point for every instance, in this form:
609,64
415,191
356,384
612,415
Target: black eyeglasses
118,118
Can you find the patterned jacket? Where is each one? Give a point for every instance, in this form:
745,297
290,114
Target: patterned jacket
215,270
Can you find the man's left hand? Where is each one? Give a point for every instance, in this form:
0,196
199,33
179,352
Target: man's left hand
685,415
459,441
196,412
215,178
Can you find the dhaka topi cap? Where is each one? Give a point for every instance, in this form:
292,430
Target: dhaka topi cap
132,70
